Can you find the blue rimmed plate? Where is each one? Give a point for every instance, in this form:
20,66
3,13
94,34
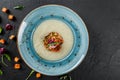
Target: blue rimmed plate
31,22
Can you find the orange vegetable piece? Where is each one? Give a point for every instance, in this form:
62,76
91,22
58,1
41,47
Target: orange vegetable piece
38,75
17,66
16,59
10,17
4,9
12,37
2,41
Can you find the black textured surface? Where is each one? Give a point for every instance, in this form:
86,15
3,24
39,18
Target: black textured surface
102,18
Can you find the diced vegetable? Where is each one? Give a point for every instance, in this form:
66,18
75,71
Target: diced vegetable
17,66
10,17
2,41
8,27
16,59
4,9
12,37
38,75
2,50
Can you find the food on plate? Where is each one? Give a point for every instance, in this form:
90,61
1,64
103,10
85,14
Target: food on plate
53,39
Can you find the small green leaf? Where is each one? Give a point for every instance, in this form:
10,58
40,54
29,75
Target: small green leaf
2,59
1,30
7,57
65,77
1,72
20,7
32,71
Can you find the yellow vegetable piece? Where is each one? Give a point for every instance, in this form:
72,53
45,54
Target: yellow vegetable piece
12,37
16,59
10,17
4,9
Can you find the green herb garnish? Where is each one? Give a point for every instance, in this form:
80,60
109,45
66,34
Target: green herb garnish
65,77
30,74
7,57
20,7
1,72
2,59
1,30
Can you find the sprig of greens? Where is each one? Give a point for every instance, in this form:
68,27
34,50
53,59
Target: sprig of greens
1,72
65,77
1,29
7,57
20,7
32,71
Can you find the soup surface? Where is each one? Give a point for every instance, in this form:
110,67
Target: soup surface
43,30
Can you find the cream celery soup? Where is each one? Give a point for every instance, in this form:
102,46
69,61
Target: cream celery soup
53,39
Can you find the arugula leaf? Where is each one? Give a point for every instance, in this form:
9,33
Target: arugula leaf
65,77
1,30
7,57
1,72
20,7
2,59
32,71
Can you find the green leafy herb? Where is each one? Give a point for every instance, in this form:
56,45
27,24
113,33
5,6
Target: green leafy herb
7,57
30,74
1,72
1,30
65,77
2,59
20,7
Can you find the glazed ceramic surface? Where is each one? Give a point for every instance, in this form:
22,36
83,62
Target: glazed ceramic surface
25,40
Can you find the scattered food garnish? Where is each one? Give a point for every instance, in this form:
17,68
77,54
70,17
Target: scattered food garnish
12,37
16,59
65,77
1,72
53,41
10,17
2,51
17,66
2,41
2,54
7,57
20,7
38,75
4,9
1,30
32,71
8,27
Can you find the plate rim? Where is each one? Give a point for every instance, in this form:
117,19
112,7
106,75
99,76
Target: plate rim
79,62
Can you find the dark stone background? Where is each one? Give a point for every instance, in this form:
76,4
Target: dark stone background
102,18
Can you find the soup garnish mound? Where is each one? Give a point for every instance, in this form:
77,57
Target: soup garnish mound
53,41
